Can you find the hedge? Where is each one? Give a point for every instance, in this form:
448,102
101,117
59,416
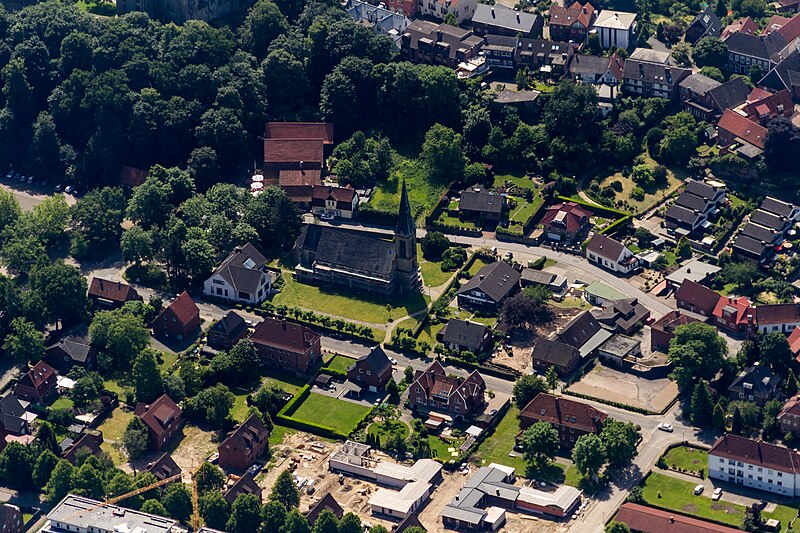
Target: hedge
611,403
497,372
333,372
615,213
285,419
384,217
455,230
613,227
261,311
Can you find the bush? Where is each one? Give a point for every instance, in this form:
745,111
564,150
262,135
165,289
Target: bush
637,194
616,185
453,258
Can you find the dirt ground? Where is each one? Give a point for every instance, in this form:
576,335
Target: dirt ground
614,385
194,448
521,342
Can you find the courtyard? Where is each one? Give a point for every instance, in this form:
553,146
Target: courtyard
613,385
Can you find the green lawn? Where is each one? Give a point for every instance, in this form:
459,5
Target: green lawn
496,447
287,383
168,359
687,458
113,386
62,403
432,273
384,432
521,181
571,303
477,265
448,220
422,194
525,209
105,9
114,426
675,177
278,433
347,305
440,449
240,407
341,363
327,411
114,452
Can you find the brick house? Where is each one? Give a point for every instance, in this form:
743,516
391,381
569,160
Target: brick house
735,315
11,519
341,202
434,390
734,128
763,106
111,294
566,222
244,485
163,419
178,321
789,417
697,298
164,467
439,44
570,418
287,346
463,335
563,357
74,348
244,445
38,384
707,99
777,317
227,331
571,23
663,330
372,371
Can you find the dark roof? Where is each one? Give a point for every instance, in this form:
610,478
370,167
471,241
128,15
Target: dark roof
164,467
244,485
340,247
622,315
247,435
376,359
761,381
760,233
538,276
605,246
702,189
405,222
283,334
39,374
504,17
777,207
698,83
777,314
766,47
478,199
564,411
709,22
464,333
184,308
756,452
768,220
554,352
343,196
452,37
580,330
654,72
785,75
496,280
299,130
243,268
586,64
231,325
698,295
749,244
692,202
115,291
544,51
327,502
650,520
293,150
683,215
730,94
409,521
131,176
159,414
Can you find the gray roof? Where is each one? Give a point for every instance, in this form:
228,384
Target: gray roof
702,189
231,324
760,378
694,270
786,73
464,333
581,331
730,94
651,56
768,219
554,352
546,52
690,201
654,72
496,280
378,16
766,47
708,21
778,207
620,345
504,17
83,513
538,276
509,96
242,269
760,233
376,359
683,215
700,84
244,485
348,249
478,199
587,65
749,244
457,38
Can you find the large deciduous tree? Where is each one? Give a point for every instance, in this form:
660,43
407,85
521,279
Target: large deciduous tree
697,352
539,443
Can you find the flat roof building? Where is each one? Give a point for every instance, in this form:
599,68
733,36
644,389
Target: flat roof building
76,513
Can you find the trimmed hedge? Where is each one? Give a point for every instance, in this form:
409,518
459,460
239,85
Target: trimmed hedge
612,228
454,230
285,419
611,403
333,372
497,372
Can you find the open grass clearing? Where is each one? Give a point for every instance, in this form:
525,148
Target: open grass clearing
340,363
62,403
443,449
522,181
384,431
432,273
279,433
525,210
448,220
496,447
114,426
326,411
687,458
422,194
477,265
114,452
675,178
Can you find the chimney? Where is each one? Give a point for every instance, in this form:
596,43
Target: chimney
492,11
671,519
101,285
482,276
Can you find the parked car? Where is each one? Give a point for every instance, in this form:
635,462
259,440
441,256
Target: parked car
717,494
663,426
58,188
699,490
68,189
393,360
326,216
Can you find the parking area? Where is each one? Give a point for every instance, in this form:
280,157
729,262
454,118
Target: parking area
613,385
29,196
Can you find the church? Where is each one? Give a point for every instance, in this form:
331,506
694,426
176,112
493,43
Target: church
364,262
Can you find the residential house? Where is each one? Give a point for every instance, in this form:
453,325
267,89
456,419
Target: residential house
501,20
15,416
76,513
11,520
409,487
755,384
780,208
164,467
298,183
754,464
645,519
787,6
181,11
777,317
616,29
546,57
695,205
789,417
738,134
642,76
482,503
465,336
784,75
571,418
695,270
326,502
763,106
371,371
179,321
794,343
622,316
38,384
755,242
442,44
746,50
771,221
734,315
242,485
584,333
620,349
163,419
530,276
548,353
487,289
706,24
662,330
87,441
407,7
107,294
745,25
571,23
227,331
244,445
74,348
300,130
340,202
434,390
296,164
694,94
566,222
242,277
611,254
478,203
361,261
697,298
598,293
596,70
384,20
439,9
287,346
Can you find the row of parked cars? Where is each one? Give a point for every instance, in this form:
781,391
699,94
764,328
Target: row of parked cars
14,175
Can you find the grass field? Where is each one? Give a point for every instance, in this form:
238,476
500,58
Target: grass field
62,403
477,265
114,426
384,432
105,9
571,303
441,448
422,194
520,181
677,495
675,178
327,411
346,305
341,363
687,458
168,359
240,407
113,451
278,433
525,209
432,273
496,447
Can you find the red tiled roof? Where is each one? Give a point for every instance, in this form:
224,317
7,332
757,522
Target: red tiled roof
293,150
792,406
112,290
672,320
774,22
284,334
299,130
563,411
743,128
132,176
650,520
756,452
779,103
184,308
698,295
616,66
567,16
777,314
293,178
574,216
745,25
159,414
791,30
794,341
40,374
340,194
248,435
741,304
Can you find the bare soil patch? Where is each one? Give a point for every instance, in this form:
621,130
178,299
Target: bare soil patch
615,385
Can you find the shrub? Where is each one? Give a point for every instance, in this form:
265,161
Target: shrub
637,194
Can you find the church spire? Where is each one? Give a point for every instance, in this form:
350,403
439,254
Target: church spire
405,225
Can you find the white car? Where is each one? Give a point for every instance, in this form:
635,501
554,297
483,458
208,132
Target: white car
326,216
58,188
699,490
393,360
663,426
717,494
68,189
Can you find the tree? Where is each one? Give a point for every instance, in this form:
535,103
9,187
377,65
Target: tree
24,343
295,523
137,244
714,73
121,484
269,398
442,154
782,138
617,527
88,482
87,389
620,440
46,439
521,310
326,522
775,352
245,514
274,516
43,468
433,244
539,443
790,387
16,465
285,491
408,374
736,422
680,52
9,209
551,377
147,377
60,482
696,352
350,523
241,362
392,391
63,290
380,529
752,519
212,404
276,218
199,257
154,507
740,273
214,509
178,501
710,52
527,388
136,438
589,455
718,418
121,336
149,205
209,478
263,24
702,407
721,9
99,216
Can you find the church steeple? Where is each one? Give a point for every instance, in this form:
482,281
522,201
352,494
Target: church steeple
405,224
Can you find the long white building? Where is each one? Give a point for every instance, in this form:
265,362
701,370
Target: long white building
755,464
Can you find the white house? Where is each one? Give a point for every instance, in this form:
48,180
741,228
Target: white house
615,28
613,255
777,317
755,464
439,9
241,277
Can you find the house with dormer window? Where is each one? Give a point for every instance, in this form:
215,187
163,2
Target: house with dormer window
434,390
570,418
241,277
